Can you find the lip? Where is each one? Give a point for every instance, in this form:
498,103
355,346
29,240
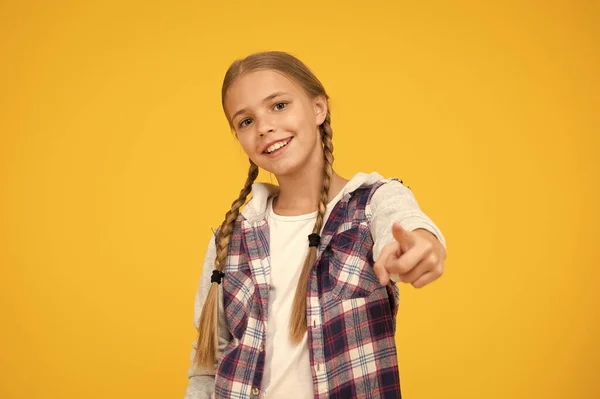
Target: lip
273,142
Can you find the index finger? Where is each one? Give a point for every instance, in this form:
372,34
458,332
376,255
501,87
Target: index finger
403,237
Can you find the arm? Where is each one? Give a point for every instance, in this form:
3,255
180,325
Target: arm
415,249
201,380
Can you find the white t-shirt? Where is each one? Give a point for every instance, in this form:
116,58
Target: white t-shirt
287,365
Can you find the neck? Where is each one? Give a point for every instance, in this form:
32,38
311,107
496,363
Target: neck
300,194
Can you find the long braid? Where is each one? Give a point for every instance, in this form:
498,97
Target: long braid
298,325
208,334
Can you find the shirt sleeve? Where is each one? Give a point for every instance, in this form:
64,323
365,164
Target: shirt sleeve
394,202
202,380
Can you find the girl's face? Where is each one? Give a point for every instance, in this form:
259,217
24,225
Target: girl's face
276,122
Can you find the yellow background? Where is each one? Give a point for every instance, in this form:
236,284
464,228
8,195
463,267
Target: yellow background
116,160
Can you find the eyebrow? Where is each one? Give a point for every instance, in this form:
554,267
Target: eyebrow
266,99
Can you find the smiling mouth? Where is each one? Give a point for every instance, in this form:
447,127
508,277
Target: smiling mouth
273,148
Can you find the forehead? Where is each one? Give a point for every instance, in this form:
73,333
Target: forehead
248,90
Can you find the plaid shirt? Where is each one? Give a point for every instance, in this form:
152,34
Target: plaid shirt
351,317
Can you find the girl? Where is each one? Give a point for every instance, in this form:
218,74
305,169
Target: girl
298,294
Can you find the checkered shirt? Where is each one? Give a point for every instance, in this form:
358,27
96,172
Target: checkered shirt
351,317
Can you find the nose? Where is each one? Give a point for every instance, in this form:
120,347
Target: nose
264,126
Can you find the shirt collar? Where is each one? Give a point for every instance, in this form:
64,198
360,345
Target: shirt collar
255,210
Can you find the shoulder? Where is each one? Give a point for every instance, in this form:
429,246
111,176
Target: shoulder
390,190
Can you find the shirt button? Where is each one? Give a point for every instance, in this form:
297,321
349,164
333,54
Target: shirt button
255,391
261,348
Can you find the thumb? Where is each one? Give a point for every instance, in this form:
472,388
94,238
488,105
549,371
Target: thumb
379,266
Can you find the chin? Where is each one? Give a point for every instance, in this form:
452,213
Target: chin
281,170
284,167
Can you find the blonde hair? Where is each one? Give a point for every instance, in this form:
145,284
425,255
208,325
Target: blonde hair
294,69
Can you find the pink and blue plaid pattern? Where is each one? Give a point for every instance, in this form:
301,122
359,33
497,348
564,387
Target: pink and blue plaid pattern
351,317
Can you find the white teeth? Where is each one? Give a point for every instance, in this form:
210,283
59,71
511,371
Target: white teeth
277,146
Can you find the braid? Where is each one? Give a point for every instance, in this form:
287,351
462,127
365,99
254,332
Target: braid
208,334
298,323
231,217
326,134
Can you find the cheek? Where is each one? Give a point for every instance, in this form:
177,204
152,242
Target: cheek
248,144
245,142
297,122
